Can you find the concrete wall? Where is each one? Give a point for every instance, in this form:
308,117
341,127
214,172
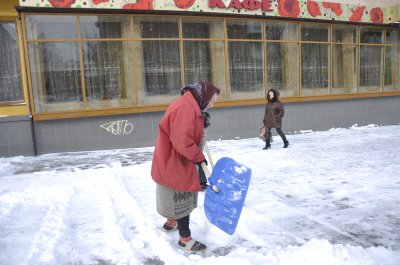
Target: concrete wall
16,136
140,130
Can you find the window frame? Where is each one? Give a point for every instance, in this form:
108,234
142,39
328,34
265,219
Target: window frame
163,101
23,87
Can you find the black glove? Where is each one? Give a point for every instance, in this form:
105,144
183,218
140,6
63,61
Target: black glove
207,119
204,161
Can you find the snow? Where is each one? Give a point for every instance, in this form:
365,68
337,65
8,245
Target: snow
331,198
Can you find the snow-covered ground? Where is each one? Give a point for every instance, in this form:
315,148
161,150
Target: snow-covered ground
331,198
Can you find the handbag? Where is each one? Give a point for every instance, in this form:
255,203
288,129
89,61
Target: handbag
261,134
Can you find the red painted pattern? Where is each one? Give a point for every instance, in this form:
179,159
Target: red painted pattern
289,8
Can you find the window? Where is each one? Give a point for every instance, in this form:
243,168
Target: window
283,57
371,59
56,75
315,59
246,59
94,62
55,52
10,72
392,61
344,56
204,52
158,51
107,61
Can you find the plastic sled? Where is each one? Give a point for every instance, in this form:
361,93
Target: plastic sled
231,180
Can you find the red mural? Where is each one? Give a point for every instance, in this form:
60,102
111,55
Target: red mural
184,4
313,8
335,7
141,4
61,3
289,8
96,2
357,14
376,15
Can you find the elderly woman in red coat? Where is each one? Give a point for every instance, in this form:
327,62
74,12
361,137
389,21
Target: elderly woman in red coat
177,158
274,112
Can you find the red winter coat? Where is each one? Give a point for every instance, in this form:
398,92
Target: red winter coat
180,134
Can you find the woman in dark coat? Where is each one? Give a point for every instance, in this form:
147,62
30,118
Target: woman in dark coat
274,112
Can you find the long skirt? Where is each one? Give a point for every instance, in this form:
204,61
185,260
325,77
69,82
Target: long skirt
175,204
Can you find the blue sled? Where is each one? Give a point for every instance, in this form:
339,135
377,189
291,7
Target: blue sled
223,208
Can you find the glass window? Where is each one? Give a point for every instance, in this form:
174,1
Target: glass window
392,68
10,72
315,32
108,74
393,36
94,27
205,61
246,69
156,27
244,29
56,76
281,31
371,61
203,28
315,69
371,35
344,34
51,27
344,69
283,68
160,70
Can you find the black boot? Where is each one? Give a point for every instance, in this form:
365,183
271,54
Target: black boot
267,144
285,144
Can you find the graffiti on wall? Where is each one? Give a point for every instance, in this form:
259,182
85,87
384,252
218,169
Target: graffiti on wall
313,9
120,127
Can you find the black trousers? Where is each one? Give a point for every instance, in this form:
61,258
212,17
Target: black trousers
279,131
183,226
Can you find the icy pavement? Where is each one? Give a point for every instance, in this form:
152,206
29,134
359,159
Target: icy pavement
330,198
79,160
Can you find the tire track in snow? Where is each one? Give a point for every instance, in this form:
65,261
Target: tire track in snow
51,230
131,214
95,235
148,235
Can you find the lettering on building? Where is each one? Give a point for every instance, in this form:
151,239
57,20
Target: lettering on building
264,5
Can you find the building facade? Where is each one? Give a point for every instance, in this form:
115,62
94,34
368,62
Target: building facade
81,75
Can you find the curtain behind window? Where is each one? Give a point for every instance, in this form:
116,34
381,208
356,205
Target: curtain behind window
246,58
314,66
161,58
197,61
10,75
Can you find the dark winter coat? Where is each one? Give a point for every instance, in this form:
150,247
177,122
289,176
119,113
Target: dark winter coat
274,111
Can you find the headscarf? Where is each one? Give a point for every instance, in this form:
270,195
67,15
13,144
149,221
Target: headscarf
202,91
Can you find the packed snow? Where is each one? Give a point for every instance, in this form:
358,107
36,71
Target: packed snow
331,198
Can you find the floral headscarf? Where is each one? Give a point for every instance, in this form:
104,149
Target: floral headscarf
202,91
